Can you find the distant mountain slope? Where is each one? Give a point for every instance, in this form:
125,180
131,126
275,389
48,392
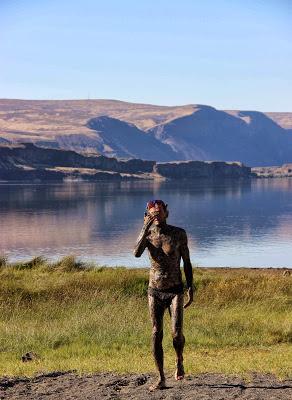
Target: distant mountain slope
184,132
209,134
284,119
121,139
50,117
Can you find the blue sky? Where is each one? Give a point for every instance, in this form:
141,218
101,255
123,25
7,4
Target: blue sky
231,54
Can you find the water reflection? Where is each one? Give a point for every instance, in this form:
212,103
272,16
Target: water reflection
228,223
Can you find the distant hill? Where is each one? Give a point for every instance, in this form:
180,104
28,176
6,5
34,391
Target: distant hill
208,134
121,139
127,130
284,119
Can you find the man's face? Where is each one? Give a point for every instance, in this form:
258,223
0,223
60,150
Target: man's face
160,214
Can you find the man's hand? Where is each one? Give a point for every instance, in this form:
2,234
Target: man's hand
148,221
190,297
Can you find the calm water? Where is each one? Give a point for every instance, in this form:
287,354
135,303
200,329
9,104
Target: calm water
228,224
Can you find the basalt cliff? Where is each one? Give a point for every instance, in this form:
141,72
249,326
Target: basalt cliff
29,162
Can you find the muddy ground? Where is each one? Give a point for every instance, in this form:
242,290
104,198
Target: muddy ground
68,385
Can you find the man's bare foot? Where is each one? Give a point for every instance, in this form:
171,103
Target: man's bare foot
180,372
158,386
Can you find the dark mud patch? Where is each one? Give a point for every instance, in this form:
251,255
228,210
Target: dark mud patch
68,385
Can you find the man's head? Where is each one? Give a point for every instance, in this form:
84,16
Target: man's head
158,209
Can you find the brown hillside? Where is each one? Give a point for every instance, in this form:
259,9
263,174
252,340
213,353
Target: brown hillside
162,133
47,118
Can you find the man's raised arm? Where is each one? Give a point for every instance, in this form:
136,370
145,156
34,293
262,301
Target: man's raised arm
142,239
188,269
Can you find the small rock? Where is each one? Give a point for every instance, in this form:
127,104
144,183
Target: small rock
141,380
30,356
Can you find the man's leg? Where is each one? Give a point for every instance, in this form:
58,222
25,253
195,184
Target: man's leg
177,333
156,310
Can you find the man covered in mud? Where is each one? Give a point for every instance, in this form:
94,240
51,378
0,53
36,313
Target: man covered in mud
166,246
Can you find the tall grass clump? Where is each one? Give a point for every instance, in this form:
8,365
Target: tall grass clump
80,316
3,260
69,263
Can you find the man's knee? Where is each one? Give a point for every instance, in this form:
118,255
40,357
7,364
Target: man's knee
157,333
178,337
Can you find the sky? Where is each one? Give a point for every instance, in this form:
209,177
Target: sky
230,54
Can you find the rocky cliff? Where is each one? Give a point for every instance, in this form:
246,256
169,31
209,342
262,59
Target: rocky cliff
31,156
199,169
29,162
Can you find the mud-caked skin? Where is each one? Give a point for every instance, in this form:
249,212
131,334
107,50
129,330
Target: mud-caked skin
166,245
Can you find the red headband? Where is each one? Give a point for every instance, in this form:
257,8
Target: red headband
152,204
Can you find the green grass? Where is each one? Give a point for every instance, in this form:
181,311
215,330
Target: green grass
90,318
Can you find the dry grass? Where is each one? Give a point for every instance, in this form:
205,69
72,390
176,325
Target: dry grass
90,318
44,119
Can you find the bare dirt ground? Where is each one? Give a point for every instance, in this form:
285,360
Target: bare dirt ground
68,385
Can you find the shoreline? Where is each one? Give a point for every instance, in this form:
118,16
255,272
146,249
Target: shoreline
142,178
109,385
5,261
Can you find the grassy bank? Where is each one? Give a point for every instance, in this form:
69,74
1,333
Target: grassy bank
88,318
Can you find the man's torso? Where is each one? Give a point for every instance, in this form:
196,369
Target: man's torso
164,246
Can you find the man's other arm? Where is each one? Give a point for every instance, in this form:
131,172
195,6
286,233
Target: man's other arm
188,269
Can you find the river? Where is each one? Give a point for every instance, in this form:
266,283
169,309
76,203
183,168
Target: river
238,223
